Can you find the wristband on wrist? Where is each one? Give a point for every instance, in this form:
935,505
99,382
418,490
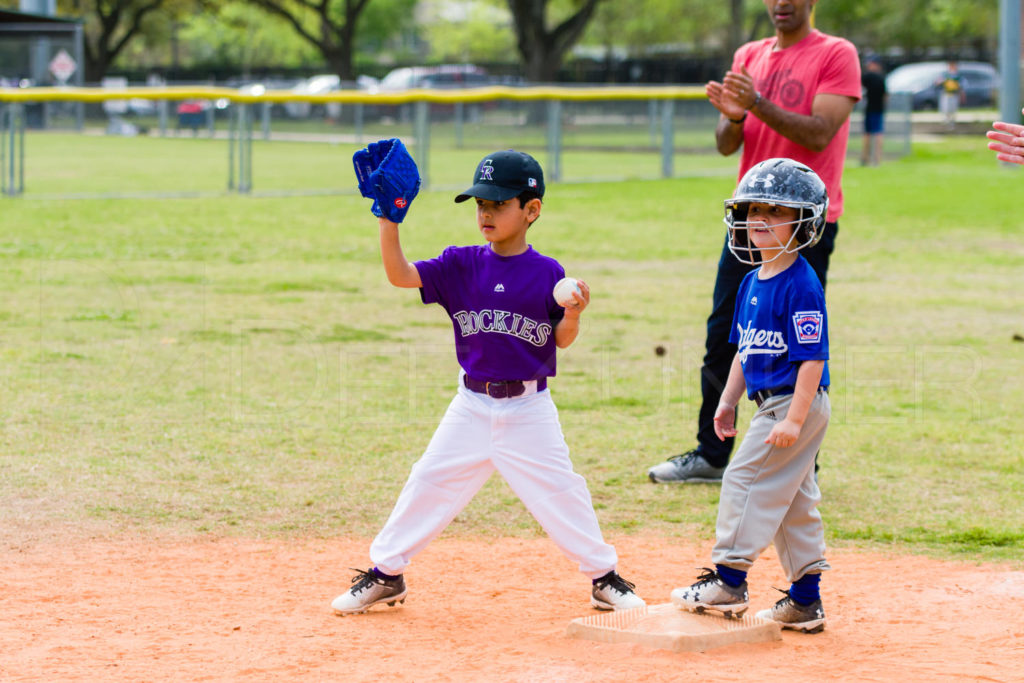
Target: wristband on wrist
739,121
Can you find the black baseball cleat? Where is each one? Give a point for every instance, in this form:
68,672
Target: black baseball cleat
792,615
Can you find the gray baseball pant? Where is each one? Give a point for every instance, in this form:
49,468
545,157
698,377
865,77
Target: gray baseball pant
770,494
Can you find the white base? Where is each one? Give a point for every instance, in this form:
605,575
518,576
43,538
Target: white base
668,628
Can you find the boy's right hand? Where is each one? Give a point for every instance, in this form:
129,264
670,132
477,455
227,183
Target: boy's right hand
725,421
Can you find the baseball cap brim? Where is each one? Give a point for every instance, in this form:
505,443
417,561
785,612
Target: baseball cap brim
489,191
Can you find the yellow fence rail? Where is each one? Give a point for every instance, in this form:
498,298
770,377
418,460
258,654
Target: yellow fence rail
464,95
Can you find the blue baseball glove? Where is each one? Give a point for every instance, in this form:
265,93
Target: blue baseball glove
387,174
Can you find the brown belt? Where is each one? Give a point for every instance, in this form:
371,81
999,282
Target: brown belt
509,389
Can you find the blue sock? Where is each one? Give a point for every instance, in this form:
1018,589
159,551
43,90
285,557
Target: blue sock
805,590
731,577
386,577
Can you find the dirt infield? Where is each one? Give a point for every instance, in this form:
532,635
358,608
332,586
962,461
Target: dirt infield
478,610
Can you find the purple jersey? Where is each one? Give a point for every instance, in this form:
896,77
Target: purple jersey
502,309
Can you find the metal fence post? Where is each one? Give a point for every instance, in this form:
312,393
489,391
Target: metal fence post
232,133
21,149
668,107
908,125
3,148
423,141
245,149
12,157
459,114
265,119
358,114
554,170
652,121
162,116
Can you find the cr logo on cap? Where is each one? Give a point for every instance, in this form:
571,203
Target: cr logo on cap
486,169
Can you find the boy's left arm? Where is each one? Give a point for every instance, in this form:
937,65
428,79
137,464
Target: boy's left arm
808,378
569,326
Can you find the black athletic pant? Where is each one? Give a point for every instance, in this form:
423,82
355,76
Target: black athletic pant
719,352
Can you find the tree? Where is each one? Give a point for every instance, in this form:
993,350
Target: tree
243,36
330,26
470,32
543,49
915,27
110,25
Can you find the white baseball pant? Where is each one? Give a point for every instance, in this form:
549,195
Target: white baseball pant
522,439
770,494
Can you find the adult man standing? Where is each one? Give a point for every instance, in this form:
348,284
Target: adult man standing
786,96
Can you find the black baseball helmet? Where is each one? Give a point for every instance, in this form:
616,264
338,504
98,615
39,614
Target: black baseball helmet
781,182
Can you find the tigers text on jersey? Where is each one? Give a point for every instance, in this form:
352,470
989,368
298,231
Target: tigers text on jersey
502,309
778,323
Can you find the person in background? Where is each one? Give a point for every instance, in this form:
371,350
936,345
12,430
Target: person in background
951,94
875,98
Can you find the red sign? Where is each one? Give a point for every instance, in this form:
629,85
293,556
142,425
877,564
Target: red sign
62,66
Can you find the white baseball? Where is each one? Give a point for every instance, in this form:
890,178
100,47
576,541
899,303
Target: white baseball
564,289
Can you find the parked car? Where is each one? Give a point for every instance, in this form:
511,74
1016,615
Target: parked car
443,76
980,82
317,85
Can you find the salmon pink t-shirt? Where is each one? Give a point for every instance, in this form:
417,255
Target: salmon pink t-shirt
790,78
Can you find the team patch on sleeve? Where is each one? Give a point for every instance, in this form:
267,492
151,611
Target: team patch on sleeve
808,326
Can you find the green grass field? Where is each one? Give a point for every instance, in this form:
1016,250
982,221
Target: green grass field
239,365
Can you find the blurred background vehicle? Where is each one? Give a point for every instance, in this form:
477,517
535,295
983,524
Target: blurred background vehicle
320,85
980,83
317,85
443,76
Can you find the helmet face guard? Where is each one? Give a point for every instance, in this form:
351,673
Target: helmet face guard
779,182
806,232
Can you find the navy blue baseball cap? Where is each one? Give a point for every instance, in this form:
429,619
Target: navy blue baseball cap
504,175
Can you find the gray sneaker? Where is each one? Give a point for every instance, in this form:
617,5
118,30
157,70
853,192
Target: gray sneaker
612,592
690,467
367,590
796,617
710,592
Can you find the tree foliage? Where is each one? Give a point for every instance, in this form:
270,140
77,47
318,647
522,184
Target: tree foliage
331,26
296,33
241,34
912,27
544,38
111,25
473,32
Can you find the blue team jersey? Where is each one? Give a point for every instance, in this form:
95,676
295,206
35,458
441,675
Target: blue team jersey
778,323
502,309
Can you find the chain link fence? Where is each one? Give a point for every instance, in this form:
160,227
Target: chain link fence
187,140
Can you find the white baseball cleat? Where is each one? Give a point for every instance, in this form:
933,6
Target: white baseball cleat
612,592
369,589
711,593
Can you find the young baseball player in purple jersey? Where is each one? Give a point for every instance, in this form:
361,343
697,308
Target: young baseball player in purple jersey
780,327
507,326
